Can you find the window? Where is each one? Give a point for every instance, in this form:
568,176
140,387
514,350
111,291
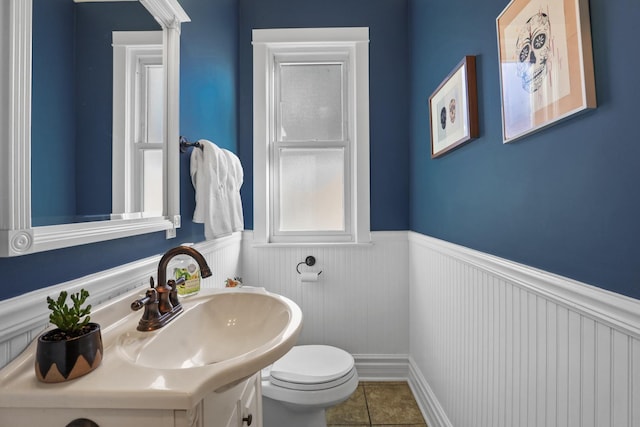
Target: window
138,124
311,135
147,149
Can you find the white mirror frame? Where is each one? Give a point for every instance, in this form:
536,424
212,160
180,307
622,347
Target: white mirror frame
17,236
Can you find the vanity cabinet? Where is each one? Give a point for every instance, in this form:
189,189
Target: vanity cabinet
239,405
71,417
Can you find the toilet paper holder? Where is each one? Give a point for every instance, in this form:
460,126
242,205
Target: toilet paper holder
310,261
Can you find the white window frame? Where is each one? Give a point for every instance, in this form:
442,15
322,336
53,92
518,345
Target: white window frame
268,46
132,51
143,142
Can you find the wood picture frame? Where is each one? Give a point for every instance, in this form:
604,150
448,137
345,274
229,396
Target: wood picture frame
546,64
453,109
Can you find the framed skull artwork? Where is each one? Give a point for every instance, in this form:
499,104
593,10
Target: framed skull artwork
546,64
453,109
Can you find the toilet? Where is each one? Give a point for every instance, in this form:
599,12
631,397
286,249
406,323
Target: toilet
298,387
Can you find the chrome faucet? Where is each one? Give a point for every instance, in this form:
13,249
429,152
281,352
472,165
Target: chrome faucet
161,303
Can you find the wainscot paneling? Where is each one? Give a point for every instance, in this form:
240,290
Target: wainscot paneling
23,318
495,343
483,341
360,302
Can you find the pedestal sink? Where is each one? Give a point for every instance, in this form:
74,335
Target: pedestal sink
222,337
236,325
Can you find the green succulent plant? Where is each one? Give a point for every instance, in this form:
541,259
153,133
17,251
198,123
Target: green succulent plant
70,319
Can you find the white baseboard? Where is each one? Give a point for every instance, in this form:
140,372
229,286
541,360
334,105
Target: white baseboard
382,367
427,401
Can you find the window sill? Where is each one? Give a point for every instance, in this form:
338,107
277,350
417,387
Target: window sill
259,245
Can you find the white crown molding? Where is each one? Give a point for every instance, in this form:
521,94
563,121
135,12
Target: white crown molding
168,13
311,35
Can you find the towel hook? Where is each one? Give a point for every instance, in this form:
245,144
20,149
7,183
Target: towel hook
310,261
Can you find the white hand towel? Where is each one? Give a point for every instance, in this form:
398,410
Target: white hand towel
209,170
234,182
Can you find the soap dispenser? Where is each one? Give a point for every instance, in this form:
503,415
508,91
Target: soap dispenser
185,267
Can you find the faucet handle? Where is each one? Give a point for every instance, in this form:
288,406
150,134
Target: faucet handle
151,297
139,303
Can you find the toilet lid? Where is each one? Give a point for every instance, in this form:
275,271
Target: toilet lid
312,364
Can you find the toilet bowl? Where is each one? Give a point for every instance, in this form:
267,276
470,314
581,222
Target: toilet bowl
298,387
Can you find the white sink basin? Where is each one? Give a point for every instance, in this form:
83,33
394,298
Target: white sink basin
212,329
222,337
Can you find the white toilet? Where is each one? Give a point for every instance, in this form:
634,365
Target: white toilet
298,387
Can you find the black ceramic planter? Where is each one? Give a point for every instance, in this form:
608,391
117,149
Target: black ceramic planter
64,360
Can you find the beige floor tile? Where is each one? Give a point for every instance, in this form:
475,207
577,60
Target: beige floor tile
392,403
377,404
352,412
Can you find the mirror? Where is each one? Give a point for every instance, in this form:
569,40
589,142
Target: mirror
74,64
19,232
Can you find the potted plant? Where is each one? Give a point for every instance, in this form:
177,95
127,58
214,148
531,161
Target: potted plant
72,349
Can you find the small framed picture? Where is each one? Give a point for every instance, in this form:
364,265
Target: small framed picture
546,64
453,108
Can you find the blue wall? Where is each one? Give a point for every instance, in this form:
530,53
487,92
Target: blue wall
208,86
208,110
388,75
565,199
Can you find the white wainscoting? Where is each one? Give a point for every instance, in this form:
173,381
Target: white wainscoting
484,342
360,302
24,317
501,344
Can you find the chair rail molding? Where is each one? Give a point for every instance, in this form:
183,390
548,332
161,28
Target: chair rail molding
616,310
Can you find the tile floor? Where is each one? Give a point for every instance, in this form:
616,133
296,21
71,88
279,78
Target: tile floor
377,404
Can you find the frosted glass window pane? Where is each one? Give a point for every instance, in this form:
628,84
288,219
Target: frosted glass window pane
312,190
155,77
152,186
311,102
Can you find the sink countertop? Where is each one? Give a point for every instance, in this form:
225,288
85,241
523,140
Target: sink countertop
120,383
